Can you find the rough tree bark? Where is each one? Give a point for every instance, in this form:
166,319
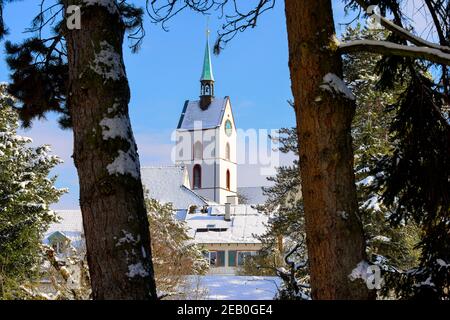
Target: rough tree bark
105,154
324,111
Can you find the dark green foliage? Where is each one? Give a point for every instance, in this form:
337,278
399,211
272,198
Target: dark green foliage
39,70
414,176
40,85
416,183
371,142
420,155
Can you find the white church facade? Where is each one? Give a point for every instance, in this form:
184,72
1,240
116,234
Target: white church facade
202,185
206,140
206,146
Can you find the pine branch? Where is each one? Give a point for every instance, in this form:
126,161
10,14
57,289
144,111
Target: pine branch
393,49
403,33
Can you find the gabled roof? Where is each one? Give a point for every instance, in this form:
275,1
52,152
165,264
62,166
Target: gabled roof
170,185
209,118
57,235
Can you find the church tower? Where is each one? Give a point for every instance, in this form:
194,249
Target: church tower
207,79
206,141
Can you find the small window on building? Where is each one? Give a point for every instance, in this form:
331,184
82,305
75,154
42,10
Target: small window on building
216,258
228,180
227,152
197,177
198,150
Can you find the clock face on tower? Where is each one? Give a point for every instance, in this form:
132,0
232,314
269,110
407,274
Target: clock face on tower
228,128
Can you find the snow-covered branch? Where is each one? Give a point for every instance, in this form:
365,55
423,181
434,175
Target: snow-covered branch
405,34
389,48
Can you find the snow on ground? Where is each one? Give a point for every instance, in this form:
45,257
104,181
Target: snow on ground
220,287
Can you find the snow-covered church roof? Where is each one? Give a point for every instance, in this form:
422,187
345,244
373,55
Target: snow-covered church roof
170,184
210,118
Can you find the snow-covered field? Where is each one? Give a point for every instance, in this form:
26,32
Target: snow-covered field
215,287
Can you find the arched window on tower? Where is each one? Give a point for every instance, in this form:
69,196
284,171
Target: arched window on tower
227,152
198,150
197,177
228,180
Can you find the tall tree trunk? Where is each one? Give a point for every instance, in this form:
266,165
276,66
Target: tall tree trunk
105,154
324,111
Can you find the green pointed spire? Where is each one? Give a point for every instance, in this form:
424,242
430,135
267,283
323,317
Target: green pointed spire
207,73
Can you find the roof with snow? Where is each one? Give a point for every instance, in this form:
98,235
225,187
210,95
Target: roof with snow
246,223
209,118
170,185
205,228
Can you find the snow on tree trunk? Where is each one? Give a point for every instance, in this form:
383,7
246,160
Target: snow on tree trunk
324,111
105,154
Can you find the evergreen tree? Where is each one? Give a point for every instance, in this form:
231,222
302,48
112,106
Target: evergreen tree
371,141
415,183
26,191
413,178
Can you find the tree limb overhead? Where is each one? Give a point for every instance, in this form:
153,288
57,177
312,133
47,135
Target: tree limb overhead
389,48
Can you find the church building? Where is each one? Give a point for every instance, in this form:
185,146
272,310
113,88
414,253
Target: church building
206,141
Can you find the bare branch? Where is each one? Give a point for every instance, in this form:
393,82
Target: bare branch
236,19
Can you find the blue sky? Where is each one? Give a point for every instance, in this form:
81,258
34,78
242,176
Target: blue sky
252,70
